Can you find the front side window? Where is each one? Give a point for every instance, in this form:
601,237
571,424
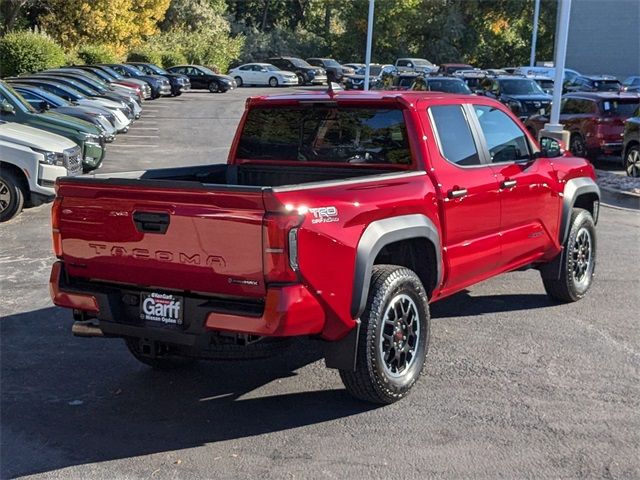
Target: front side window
506,142
454,135
325,134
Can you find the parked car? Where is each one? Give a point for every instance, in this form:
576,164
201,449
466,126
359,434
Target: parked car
441,84
262,74
569,74
42,100
545,83
324,223
335,71
595,120
420,65
451,68
31,160
523,96
131,95
121,121
203,78
14,108
631,84
631,145
160,86
594,83
356,81
355,66
179,83
496,71
307,74
473,78
80,87
108,73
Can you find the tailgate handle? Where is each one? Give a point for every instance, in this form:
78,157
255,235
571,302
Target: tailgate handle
151,222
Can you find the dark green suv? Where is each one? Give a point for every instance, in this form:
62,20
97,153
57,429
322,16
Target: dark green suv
14,108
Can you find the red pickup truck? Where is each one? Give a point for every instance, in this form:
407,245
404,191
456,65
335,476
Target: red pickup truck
338,216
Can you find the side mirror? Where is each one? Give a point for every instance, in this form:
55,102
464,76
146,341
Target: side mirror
263,70
550,148
479,91
7,108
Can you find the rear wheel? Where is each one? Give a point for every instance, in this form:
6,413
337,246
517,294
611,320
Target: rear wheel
579,262
632,161
393,338
213,87
157,355
11,195
238,81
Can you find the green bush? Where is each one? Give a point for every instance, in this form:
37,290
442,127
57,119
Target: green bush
146,55
71,57
169,59
91,54
27,52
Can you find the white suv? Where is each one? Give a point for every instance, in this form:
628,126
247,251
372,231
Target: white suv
30,161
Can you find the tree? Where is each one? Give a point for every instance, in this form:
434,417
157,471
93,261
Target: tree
118,24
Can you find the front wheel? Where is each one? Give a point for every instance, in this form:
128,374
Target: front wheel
213,87
577,146
273,82
300,79
11,196
393,337
632,161
579,261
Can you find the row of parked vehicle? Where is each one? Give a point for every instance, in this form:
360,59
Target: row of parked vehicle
58,122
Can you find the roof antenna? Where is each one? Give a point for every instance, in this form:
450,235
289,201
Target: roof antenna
332,88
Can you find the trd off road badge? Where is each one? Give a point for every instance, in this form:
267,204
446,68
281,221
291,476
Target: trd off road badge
324,215
160,307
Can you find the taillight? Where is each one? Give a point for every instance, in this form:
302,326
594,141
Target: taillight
55,227
280,240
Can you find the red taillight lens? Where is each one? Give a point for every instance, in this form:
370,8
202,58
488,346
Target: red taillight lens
280,240
55,226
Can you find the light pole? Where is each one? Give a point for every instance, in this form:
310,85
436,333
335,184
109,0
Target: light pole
534,33
369,39
554,129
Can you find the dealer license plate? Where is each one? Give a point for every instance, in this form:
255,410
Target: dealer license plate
161,307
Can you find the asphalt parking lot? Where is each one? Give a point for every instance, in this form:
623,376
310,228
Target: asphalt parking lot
515,385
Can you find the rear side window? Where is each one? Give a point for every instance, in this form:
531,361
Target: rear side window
454,135
325,134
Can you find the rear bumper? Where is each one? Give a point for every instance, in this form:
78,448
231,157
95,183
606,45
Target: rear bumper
286,311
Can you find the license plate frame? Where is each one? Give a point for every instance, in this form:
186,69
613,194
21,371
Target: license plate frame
162,308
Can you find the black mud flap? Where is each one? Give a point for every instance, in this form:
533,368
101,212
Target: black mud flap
553,269
342,354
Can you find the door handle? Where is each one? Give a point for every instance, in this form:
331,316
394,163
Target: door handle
457,193
508,183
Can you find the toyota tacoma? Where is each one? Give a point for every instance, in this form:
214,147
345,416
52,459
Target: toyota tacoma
339,216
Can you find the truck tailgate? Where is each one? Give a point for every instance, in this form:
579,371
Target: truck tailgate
204,240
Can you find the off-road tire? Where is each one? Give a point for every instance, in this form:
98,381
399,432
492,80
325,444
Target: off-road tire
371,381
238,81
11,194
566,288
169,361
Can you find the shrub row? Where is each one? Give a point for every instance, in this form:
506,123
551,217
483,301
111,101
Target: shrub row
27,51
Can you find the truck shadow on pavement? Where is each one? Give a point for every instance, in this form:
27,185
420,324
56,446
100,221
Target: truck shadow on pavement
69,401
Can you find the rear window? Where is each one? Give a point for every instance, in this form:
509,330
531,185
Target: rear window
620,108
325,134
